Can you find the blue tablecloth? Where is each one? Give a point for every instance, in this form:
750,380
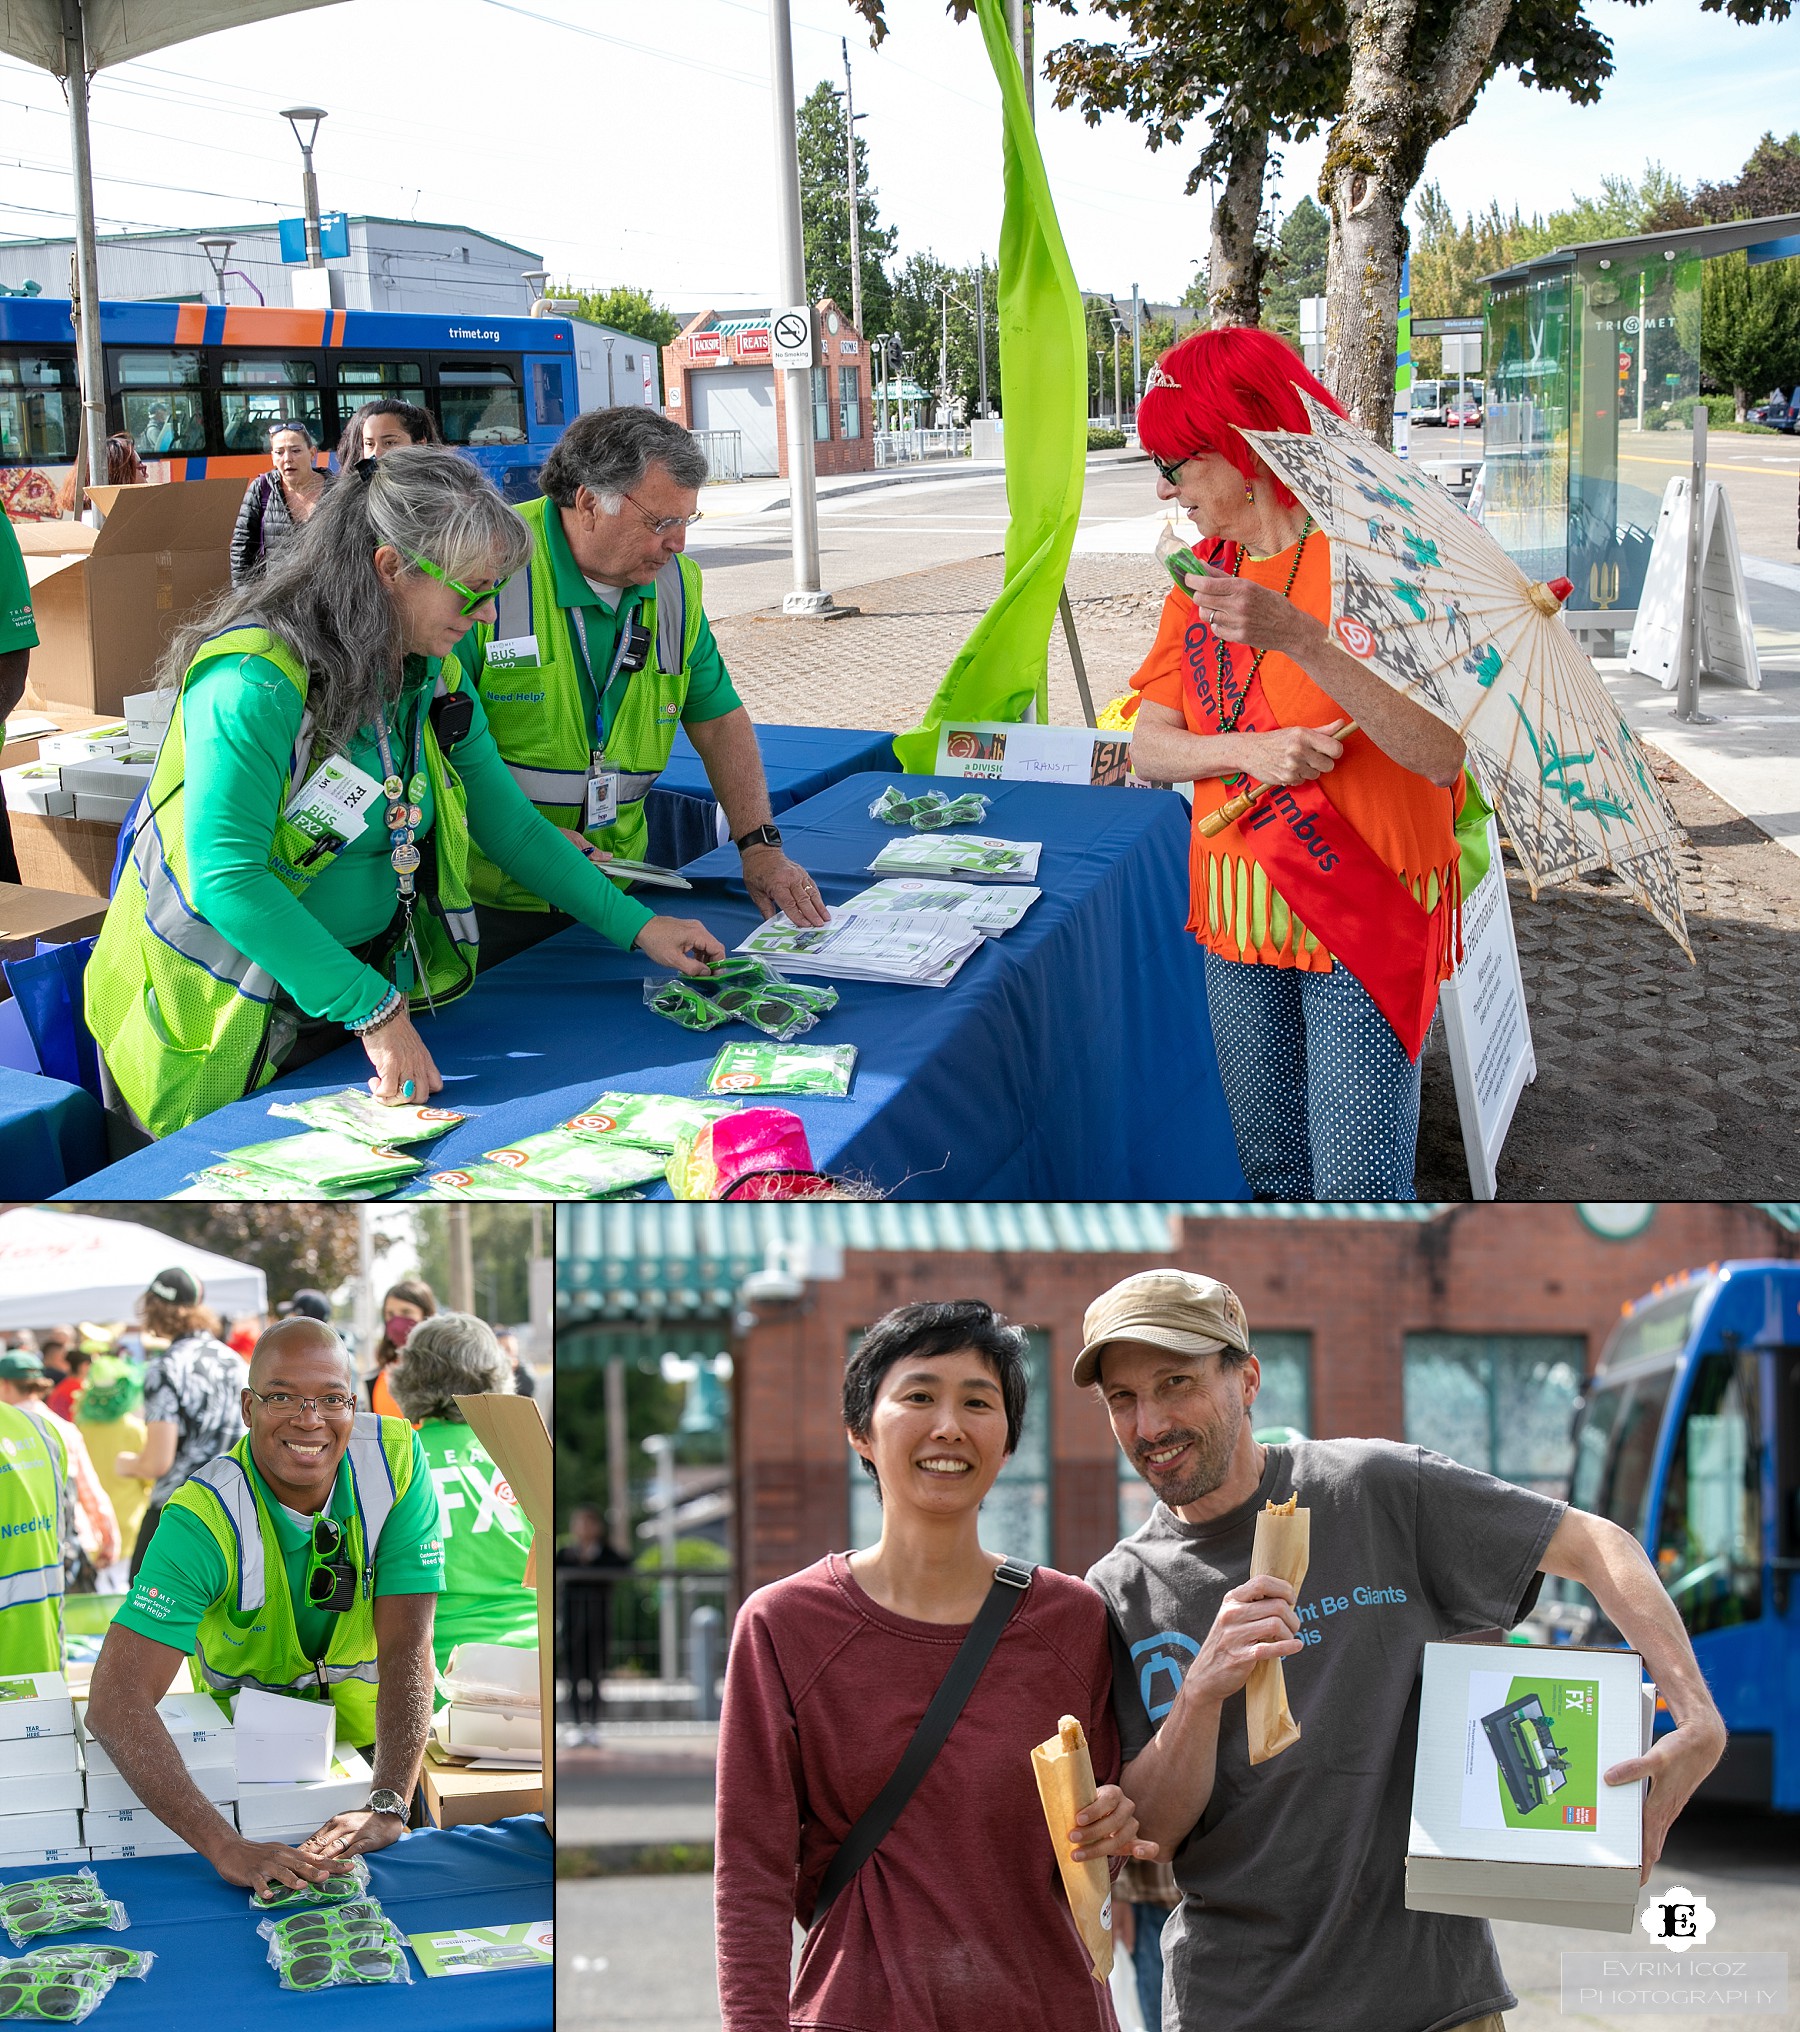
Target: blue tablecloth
50,1133
212,1967
1070,1059
799,762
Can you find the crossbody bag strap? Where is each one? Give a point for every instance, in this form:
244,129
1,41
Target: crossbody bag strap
1011,1578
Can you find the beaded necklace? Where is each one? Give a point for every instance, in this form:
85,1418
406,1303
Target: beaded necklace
1222,650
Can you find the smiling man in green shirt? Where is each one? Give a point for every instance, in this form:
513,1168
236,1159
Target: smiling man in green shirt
599,652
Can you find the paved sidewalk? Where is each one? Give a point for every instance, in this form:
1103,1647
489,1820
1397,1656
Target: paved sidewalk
1674,1080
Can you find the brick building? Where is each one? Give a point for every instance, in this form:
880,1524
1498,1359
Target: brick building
1465,1328
718,379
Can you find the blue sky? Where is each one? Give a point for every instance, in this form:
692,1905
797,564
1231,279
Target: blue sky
633,142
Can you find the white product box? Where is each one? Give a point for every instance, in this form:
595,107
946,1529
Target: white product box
108,1791
106,776
132,1827
37,787
125,1852
107,740
503,1731
1511,1819
47,1792
35,1704
200,1729
282,1741
37,1859
148,713
41,1830
103,810
486,1671
266,1810
37,1756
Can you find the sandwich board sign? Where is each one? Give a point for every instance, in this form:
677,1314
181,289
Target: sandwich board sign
1485,1024
1727,636
1025,753
791,336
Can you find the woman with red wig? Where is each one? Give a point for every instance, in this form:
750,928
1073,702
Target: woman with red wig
1328,910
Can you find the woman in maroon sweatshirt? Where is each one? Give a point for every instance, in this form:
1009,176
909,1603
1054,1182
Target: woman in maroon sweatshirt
958,1922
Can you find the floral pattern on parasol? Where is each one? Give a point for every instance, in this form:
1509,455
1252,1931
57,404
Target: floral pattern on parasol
1428,599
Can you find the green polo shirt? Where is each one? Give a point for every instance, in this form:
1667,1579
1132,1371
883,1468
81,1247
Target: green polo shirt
710,695
184,1572
17,629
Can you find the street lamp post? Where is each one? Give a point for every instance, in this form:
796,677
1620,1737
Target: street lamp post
309,116
1118,325
218,252
981,328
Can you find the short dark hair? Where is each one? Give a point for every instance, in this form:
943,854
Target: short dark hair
923,1331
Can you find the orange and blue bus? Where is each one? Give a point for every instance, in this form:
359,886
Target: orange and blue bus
196,386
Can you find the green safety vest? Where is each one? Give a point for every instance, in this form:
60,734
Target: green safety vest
184,1020
247,1637
487,1544
33,1467
540,721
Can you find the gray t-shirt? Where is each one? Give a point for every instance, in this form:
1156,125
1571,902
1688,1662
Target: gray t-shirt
1294,1908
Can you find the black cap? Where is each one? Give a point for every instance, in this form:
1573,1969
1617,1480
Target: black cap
176,1287
308,1304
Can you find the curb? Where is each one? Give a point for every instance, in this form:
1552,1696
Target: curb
634,1859
942,469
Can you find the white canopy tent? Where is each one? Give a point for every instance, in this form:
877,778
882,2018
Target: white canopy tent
60,1268
72,39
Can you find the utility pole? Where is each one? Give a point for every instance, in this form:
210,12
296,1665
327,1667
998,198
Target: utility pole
90,360
981,327
1137,360
944,354
803,497
1018,22
1118,325
855,208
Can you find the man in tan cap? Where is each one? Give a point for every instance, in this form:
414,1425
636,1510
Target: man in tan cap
1293,1872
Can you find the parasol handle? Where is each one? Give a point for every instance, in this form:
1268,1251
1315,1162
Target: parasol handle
1213,823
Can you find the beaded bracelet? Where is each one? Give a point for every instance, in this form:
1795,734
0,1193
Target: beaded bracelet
384,1011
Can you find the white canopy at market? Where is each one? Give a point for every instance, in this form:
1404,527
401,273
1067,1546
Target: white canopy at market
60,1268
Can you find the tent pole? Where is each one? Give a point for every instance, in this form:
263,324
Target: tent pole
90,359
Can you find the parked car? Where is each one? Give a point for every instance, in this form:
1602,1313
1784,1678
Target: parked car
1780,416
1465,412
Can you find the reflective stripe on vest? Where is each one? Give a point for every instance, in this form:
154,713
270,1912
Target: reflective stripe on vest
230,1682
513,617
569,786
175,921
371,1481
229,1483
36,1584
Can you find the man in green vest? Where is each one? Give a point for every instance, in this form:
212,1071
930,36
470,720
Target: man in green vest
306,1561
33,1473
600,650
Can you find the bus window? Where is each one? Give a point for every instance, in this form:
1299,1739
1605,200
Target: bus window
1709,1544
479,403
547,394
1616,1447
360,381
159,394
259,391
40,408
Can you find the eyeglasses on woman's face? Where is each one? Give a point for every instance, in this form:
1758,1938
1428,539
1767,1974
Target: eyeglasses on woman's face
473,598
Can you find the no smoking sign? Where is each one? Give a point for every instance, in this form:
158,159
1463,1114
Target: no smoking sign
791,337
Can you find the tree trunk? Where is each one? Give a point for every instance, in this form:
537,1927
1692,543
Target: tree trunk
1362,295
1235,269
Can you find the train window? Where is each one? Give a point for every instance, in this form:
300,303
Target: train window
159,393
1709,1546
40,407
479,403
264,390
547,394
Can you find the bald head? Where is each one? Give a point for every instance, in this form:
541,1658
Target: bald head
299,1337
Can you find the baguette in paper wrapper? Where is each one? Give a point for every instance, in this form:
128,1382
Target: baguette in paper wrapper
1282,1547
1065,1782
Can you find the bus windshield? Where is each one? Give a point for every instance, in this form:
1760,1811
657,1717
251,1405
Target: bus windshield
1662,1327
1616,1446
1708,1541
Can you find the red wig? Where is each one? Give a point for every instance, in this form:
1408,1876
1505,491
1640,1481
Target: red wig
1218,383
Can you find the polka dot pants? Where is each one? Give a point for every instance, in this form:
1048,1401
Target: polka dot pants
1324,1102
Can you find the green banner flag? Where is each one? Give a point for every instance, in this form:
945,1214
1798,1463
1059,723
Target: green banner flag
1004,664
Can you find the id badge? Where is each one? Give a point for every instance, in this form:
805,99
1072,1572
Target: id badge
602,798
512,652
335,798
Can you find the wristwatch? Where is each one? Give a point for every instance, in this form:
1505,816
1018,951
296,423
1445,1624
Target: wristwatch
388,1802
758,836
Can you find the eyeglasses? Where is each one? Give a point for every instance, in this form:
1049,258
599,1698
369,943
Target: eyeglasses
472,600
660,526
332,1404
59,1998
1170,469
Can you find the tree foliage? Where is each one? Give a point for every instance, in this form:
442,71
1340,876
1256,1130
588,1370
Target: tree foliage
305,1243
1750,327
500,1253
627,310
918,317
1297,267
825,214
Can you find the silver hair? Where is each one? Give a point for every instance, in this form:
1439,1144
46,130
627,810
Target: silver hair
450,1355
608,451
321,595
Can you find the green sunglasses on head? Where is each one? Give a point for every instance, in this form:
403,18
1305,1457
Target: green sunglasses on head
471,599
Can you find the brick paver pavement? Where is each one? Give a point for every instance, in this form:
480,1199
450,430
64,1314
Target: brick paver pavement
1653,1076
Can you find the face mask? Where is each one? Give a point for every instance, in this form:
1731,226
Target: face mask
398,1327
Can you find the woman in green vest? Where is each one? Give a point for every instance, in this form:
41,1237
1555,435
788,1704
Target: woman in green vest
298,868
487,1537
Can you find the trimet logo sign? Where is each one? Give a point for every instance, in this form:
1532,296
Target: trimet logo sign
1678,1918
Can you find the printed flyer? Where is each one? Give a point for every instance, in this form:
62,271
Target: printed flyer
1533,1753
481,1950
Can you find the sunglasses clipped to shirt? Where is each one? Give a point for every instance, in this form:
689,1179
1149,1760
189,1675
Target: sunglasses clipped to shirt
330,1571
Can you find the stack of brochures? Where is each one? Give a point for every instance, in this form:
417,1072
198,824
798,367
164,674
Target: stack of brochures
992,910
921,947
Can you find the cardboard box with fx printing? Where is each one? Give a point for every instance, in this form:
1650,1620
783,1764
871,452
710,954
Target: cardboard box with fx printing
1511,1818
35,1704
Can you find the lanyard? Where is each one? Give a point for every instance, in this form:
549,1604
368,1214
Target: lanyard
404,817
605,720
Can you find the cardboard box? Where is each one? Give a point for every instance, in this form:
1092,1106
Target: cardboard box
110,737
513,1432
28,915
473,1798
282,1741
37,1859
137,1827
119,776
107,601
38,1756
27,1831
147,715
125,1852
503,1731
1511,1819
42,1792
35,1704
23,747
38,787
264,1807
108,1791
106,811
199,1728
68,854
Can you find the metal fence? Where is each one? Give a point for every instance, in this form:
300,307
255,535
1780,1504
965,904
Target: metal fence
905,447
724,451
